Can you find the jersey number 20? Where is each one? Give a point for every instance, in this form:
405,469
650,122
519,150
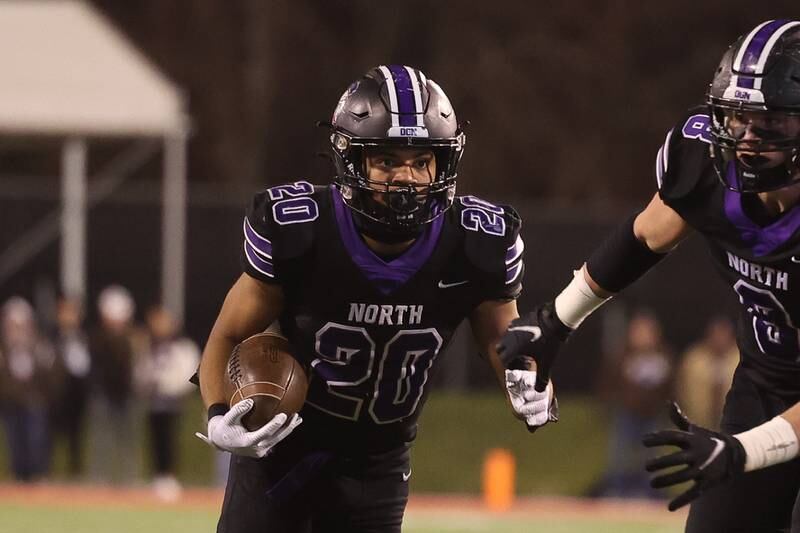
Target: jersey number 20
390,385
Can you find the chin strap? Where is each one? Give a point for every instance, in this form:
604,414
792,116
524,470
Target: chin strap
382,232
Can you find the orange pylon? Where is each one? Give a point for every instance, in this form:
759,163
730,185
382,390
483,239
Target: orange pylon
499,472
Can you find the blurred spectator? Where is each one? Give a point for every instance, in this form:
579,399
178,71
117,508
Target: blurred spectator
636,384
114,447
706,371
69,413
29,377
164,375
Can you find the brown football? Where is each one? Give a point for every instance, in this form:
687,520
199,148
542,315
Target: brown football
262,368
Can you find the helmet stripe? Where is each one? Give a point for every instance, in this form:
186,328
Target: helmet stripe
392,94
755,50
405,95
737,62
417,95
762,61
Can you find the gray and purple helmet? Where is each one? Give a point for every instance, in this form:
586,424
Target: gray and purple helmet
759,74
395,106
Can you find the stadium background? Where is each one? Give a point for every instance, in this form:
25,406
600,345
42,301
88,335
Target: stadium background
568,103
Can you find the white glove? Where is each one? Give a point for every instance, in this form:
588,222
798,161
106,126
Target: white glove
535,408
226,432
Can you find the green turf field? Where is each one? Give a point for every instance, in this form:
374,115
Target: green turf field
60,519
456,430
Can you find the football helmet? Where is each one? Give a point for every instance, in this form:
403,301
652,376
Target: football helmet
754,103
395,106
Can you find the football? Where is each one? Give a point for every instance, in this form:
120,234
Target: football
262,368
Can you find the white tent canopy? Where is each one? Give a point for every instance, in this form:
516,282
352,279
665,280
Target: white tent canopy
66,71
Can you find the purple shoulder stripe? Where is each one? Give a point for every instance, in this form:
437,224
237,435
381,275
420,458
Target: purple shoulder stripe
513,273
260,244
514,251
257,262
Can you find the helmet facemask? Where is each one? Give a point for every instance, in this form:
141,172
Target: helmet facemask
755,150
402,209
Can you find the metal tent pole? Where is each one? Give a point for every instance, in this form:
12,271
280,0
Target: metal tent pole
73,218
173,241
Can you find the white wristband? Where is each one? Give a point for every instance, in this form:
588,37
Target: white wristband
577,301
770,443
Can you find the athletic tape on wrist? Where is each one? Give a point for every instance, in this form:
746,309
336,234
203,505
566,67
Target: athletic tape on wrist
770,443
577,301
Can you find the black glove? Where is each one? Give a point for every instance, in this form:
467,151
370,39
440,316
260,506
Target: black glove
538,335
710,457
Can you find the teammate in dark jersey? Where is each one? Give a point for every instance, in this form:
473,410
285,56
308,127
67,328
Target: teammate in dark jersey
368,279
729,171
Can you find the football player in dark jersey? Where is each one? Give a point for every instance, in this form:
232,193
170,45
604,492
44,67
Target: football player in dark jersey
368,278
731,172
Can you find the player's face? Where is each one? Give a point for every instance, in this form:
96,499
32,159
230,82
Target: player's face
396,168
756,131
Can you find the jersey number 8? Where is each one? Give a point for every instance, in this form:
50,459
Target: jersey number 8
772,326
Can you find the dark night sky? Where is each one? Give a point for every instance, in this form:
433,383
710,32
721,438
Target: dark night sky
566,99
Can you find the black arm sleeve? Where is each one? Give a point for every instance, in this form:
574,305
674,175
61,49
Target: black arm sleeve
621,259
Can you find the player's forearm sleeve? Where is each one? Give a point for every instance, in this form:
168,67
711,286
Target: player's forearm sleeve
621,259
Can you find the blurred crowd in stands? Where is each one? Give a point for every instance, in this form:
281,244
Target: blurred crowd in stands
91,386
88,388
638,381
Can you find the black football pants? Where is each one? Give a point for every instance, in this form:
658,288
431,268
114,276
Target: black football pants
796,516
316,493
759,501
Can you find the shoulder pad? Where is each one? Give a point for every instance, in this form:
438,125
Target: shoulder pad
491,233
278,225
685,156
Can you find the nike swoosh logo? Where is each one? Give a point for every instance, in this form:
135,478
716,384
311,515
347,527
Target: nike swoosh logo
536,331
795,259
718,447
406,476
443,285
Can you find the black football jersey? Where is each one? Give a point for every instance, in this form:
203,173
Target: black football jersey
369,329
760,260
